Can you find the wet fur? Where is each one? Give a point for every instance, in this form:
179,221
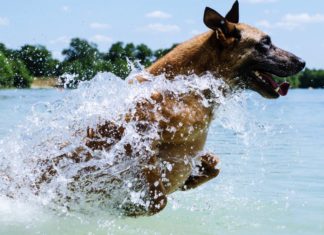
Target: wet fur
225,52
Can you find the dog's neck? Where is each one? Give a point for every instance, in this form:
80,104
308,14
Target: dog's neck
196,56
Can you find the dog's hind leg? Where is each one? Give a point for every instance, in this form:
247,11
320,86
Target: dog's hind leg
206,171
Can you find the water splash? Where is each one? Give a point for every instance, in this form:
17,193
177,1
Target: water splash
263,180
54,129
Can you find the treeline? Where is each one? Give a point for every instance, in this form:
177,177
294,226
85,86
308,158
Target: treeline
308,78
18,68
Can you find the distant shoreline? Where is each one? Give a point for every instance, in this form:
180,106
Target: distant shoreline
51,83
32,65
39,83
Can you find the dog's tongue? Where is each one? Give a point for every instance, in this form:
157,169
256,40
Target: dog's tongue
283,88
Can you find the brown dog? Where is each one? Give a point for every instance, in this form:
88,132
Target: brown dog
242,55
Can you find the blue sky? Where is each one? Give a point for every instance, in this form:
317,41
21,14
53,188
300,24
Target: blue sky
295,25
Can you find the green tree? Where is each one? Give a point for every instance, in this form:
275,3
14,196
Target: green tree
312,78
81,59
120,56
116,52
8,53
130,51
144,55
13,72
117,56
6,73
38,60
21,75
104,66
82,50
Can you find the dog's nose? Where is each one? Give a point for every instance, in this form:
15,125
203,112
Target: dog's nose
299,63
302,63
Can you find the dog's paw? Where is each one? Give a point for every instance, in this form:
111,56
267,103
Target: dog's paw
209,163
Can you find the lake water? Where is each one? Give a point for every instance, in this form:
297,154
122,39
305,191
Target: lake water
271,180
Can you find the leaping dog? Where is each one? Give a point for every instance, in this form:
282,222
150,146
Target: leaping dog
240,54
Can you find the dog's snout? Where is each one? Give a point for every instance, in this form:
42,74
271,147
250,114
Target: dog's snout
300,63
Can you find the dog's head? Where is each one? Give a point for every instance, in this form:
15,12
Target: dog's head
248,57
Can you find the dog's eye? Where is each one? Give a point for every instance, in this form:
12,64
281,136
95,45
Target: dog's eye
266,41
236,34
264,45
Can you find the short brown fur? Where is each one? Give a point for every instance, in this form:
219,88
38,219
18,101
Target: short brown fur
224,53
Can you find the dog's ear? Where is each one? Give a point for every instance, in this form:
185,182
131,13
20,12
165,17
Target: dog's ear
215,21
218,23
233,15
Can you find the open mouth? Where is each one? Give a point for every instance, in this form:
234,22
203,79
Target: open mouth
266,79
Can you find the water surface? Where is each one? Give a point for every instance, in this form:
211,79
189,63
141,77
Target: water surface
272,178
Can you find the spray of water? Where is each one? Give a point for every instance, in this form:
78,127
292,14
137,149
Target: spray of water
32,166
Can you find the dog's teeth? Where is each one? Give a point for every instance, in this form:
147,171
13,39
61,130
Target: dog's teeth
258,75
277,89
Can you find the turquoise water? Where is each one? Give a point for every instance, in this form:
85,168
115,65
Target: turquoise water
271,180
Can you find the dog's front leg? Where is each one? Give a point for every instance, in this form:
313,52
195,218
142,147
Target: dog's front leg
153,195
206,171
157,193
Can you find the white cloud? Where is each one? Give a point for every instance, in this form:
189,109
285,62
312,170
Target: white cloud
264,24
260,1
4,21
303,18
96,25
158,15
101,38
61,40
293,21
65,8
162,28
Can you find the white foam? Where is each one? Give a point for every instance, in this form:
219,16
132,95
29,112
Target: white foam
106,97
